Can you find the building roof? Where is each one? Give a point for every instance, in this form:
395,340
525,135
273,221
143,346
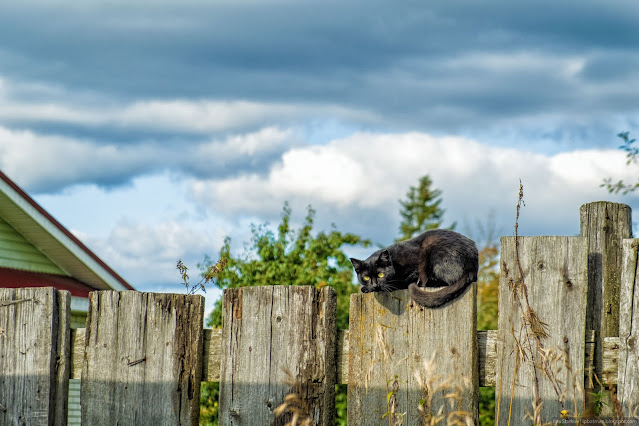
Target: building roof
56,242
14,278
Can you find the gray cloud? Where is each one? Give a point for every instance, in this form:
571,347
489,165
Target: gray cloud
45,164
418,66
135,88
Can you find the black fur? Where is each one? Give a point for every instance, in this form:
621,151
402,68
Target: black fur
437,258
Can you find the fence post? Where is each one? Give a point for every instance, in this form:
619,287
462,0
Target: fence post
628,367
407,363
34,356
604,225
278,344
544,292
143,359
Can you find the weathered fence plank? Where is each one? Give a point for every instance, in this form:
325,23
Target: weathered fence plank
278,341
486,341
403,360
143,359
34,356
553,280
604,225
628,380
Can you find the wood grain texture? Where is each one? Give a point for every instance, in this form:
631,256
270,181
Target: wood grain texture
604,225
34,356
401,356
487,345
555,275
628,376
277,340
77,352
212,355
486,341
342,355
143,359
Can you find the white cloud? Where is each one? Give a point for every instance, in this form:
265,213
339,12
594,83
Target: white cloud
49,162
264,142
324,173
197,116
32,158
24,102
370,172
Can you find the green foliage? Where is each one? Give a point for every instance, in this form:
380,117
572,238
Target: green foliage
488,288
290,257
420,210
632,156
487,406
209,397
487,306
341,405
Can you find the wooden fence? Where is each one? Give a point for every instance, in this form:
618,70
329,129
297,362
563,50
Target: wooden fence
568,313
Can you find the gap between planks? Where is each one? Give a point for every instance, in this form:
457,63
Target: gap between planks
487,341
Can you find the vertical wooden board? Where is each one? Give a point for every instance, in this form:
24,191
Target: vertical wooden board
143,359
555,275
276,341
212,355
604,225
34,356
63,362
628,371
402,356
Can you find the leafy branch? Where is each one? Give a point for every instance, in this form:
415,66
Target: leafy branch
632,156
211,273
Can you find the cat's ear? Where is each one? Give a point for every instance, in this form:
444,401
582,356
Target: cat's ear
357,264
384,258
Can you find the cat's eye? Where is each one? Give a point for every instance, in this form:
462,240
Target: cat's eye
366,278
381,275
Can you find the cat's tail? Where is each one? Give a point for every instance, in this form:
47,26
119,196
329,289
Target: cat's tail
437,298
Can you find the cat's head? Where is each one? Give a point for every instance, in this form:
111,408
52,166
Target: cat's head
375,273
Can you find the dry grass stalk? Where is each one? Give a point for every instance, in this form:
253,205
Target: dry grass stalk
394,417
433,384
294,405
536,330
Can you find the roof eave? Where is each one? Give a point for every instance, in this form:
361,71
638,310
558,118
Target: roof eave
54,240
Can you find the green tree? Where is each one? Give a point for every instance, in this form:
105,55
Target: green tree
421,209
632,156
292,257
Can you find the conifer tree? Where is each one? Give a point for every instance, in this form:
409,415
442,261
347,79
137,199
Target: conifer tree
421,209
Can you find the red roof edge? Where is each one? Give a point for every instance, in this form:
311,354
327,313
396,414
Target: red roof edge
64,230
14,278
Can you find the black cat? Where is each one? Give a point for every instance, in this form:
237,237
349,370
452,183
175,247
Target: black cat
437,258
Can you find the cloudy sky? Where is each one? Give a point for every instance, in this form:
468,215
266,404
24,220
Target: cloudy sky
153,129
